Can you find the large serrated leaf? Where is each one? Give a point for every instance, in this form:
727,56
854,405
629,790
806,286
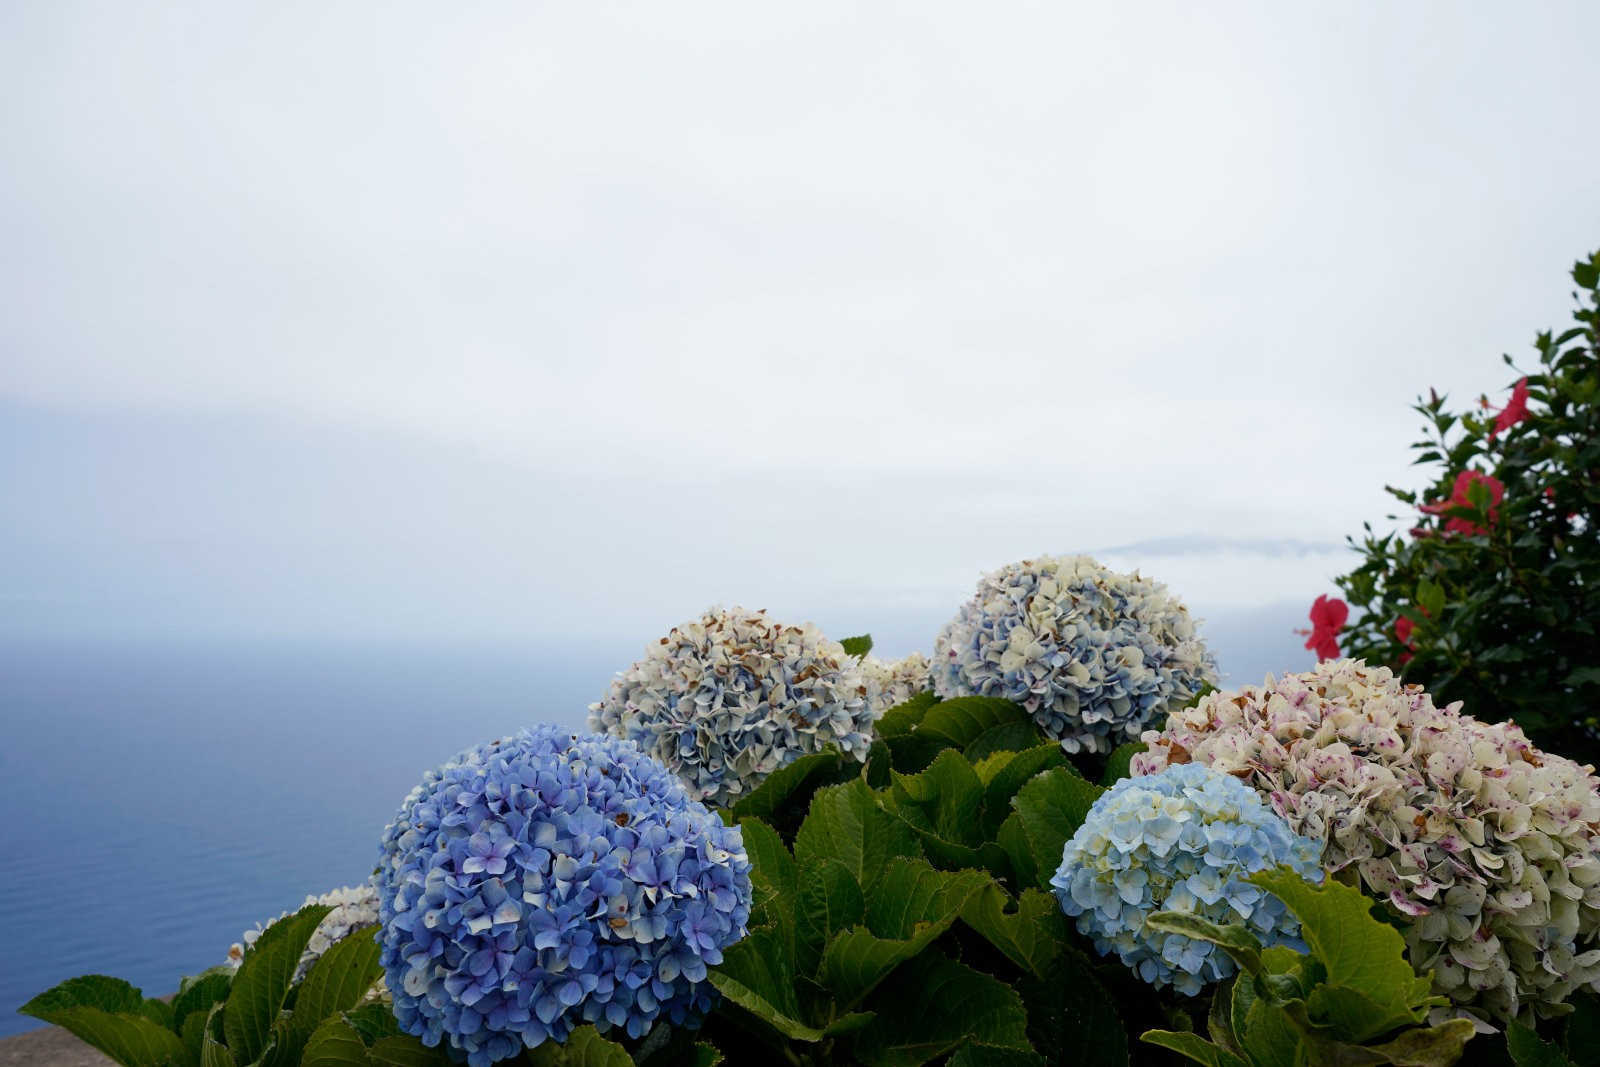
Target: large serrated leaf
1119,765
1047,811
339,978
406,1051
1008,773
774,879
846,824
88,991
962,721
789,781
133,1040
914,904
943,800
830,901
1192,1047
973,1055
1359,953
1071,1016
334,1044
756,975
199,993
1030,935
584,1047
1439,1046
934,1005
373,1021
1238,942
904,718
258,989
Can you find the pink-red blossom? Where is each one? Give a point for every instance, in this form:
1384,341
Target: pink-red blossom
1328,617
1514,412
1460,498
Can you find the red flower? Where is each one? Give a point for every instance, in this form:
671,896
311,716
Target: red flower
1402,630
1459,498
1327,619
1514,412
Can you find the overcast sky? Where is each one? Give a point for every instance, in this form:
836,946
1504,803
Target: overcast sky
517,321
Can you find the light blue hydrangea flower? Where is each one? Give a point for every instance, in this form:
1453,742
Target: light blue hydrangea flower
1094,655
1181,840
726,699
550,879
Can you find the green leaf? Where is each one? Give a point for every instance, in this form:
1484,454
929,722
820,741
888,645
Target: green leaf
932,1006
1030,935
194,1036
1359,952
213,1053
903,718
1528,1049
373,1021
830,901
1431,597
1238,942
1192,1047
1072,1018
1048,811
1007,773
263,979
943,800
406,1051
758,976
857,646
962,721
584,1047
990,1056
199,993
334,1044
846,824
1439,1046
912,906
1119,765
774,880
101,991
775,789
339,978
133,1040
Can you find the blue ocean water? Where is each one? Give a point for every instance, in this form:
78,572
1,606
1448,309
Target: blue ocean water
158,800
161,800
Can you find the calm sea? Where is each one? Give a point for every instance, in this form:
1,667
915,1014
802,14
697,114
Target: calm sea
158,801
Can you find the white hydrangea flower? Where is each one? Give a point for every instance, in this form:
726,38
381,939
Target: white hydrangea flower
1094,655
353,907
726,699
1486,849
891,682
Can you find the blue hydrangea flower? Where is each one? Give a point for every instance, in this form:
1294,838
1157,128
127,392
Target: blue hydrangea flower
1094,655
1181,840
726,699
552,879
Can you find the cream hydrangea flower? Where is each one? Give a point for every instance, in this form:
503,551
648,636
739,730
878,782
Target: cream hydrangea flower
891,682
353,907
726,699
1486,849
1094,655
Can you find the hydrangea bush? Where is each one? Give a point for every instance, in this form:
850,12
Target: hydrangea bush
893,682
551,879
1486,849
726,699
1094,655
352,907
1180,840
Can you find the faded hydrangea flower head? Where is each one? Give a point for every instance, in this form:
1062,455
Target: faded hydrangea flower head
353,907
1181,840
892,682
1094,655
726,699
1487,849
548,880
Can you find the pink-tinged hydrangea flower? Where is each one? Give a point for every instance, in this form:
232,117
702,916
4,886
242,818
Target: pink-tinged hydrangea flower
1486,849
1095,656
891,682
726,699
